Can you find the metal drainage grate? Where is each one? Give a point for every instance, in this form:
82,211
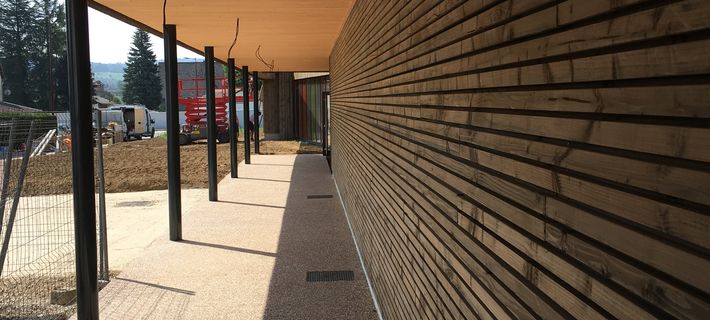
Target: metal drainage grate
319,196
318,276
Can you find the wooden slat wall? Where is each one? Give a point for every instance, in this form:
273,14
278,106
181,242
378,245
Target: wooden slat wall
309,100
530,159
280,116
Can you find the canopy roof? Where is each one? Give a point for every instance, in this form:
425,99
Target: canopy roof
295,35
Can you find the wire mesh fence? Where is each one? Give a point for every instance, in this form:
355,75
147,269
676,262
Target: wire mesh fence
37,270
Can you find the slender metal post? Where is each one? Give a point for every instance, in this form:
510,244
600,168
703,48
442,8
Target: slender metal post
82,159
173,128
211,124
16,197
245,92
103,242
233,125
7,166
256,112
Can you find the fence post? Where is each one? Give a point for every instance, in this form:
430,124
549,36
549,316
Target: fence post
82,159
6,172
211,124
103,242
16,196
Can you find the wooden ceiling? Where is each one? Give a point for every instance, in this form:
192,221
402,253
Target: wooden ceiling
295,35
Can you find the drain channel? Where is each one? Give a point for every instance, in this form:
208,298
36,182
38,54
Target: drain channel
328,276
319,196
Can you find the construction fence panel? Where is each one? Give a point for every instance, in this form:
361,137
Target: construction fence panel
37,262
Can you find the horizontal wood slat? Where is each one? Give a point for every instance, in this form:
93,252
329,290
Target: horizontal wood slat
543,159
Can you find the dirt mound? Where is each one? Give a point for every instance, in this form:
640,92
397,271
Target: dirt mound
142,165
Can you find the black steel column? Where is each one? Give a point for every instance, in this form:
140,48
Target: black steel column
233,125
82,159
211,124
256,112
245,92
173,127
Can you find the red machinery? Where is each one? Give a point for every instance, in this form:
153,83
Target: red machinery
193,97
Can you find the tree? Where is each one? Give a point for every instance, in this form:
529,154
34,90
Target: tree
49,51
17,19
141,82
110,97
33,53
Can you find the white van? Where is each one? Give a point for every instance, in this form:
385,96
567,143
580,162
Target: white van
138,122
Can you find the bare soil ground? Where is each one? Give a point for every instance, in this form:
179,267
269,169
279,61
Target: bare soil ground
142,165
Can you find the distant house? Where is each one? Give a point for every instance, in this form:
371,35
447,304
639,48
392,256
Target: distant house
102,103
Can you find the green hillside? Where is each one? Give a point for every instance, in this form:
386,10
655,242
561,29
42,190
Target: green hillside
110,74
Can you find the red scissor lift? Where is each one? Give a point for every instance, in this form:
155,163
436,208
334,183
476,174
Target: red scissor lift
195,101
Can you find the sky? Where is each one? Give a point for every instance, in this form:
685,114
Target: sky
110,40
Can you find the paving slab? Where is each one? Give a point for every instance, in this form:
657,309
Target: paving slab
247,255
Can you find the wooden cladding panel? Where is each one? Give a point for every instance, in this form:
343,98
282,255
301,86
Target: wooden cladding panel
538,159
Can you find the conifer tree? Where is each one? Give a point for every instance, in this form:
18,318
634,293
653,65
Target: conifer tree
141,81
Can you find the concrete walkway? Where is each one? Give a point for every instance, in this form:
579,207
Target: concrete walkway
247,256
43,234
136,219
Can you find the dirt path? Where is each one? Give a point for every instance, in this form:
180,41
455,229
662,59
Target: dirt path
142,165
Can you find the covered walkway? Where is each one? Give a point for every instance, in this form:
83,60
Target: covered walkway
499,159
248,255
